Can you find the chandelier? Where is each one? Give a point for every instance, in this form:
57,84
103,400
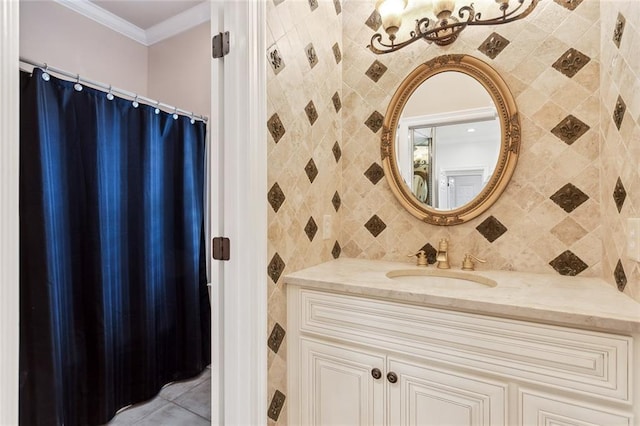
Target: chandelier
444,26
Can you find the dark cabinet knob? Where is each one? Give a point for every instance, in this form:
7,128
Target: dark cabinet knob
376,373
392,377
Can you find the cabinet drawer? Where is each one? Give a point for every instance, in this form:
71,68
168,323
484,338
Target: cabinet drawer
583,361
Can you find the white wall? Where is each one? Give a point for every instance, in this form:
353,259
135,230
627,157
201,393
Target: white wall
180,70
64,39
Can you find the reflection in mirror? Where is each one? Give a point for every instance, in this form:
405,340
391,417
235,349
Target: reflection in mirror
447,150
450,139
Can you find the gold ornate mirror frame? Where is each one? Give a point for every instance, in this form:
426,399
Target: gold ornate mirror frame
509,129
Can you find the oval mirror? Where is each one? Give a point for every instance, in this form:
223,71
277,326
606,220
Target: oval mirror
450,139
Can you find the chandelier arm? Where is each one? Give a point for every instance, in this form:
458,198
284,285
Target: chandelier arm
451,29
388,48
508,17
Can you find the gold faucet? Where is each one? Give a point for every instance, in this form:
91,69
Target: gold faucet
467,263
421,258
443,255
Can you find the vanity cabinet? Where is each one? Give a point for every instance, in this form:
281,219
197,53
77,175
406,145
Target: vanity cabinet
345,385
356,360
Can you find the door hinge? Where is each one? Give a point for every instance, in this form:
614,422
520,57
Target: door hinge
221,248
220,44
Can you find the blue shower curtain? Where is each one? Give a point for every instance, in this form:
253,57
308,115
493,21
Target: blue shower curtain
113,296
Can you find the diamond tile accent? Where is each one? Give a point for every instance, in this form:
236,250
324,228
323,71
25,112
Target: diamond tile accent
275,59
337,152
337,103
374,122
374,173
491,228
619,194
311,228
376,70
374,21
431,253
310,51
336,250
338,6
336,53
311,112
570,129
276,337
568,263
569,4
375,225
493,45
276,128
619,29
275,268
277,402
571,62
276,197
618,112
311,170
313,4
569,197
620,276
336,201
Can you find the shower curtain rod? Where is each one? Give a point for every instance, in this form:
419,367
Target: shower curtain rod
108,88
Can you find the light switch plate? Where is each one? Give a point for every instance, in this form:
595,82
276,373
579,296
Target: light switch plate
633,239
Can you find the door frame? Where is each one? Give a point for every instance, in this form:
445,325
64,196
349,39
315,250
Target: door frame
9,221
241,395
239,99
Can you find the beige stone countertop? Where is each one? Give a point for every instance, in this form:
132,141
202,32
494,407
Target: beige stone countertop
588,303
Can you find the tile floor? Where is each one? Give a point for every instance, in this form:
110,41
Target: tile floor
185,403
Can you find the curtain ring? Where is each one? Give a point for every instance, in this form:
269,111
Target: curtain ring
135,102
110,94
45,74
175,113
78,86
157,110
193,120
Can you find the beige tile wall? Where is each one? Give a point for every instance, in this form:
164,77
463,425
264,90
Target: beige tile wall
292,26
538,230
620,155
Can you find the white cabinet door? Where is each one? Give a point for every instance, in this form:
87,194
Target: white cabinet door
425,396
337,385
540,410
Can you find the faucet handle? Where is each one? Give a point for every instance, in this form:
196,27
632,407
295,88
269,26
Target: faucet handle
421,258
467,263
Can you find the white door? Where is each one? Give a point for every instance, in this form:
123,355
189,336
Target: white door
338,385
463,188
423,396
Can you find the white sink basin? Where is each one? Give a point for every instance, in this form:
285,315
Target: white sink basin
441,279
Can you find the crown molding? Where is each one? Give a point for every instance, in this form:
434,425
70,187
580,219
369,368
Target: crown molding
106,18
179,23
168,28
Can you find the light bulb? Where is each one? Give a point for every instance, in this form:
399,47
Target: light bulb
443,9
391,13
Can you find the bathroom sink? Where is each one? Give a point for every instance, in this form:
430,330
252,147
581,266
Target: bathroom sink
441,279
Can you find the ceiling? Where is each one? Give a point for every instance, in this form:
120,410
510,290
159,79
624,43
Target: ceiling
146,13
145,21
